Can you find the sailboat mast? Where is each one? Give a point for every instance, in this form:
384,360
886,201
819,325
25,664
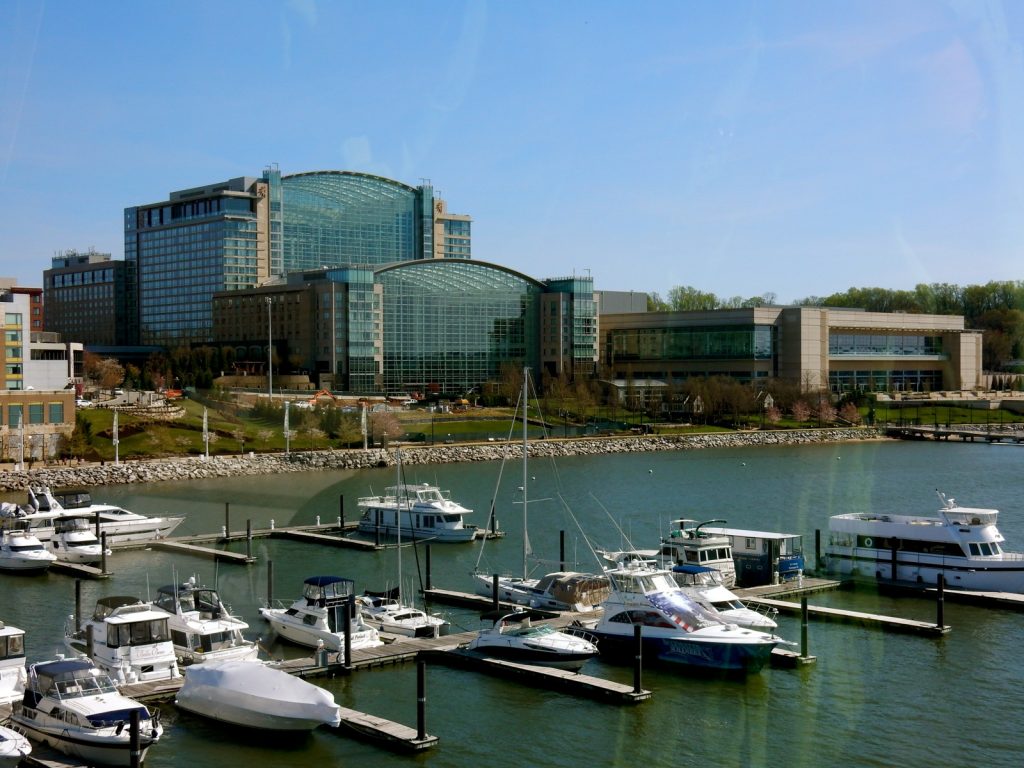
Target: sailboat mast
525,399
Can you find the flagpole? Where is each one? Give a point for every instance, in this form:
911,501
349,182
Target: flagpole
115,441
206,435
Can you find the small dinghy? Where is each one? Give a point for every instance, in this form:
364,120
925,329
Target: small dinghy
252,695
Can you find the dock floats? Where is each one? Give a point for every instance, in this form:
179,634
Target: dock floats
891,623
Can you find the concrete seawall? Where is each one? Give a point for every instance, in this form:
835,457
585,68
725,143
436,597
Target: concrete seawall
194,468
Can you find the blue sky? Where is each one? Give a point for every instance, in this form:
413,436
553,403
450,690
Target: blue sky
796,148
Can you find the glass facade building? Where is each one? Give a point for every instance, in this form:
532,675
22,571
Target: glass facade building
336,218
180,252
451,325
569,326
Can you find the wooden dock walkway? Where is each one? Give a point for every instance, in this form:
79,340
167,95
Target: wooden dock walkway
562,680
325,539
222,555
892,623
79,570
1010,600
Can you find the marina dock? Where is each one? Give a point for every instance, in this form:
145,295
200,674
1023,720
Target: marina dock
561,680
892,623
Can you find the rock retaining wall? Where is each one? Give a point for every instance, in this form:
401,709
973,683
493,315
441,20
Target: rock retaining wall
194,468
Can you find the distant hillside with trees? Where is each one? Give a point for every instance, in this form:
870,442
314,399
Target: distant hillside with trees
996,308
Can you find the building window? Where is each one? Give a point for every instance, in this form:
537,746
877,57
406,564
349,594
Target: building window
14,415
35,413
56,413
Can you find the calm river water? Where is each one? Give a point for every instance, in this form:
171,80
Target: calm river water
872,699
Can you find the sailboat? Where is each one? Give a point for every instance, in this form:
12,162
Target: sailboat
385,611
557,591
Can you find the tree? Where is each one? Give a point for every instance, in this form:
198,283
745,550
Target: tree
849,413
801,411
685,298
384,426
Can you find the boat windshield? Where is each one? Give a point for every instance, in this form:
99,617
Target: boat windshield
80,684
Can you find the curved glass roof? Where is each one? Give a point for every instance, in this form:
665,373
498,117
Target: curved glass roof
451,324
333,218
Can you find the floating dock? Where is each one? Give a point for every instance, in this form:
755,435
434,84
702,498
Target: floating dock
891,623
546,677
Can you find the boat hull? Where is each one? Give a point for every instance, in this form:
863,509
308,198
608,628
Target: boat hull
569,661
873,565
446,535
104,747
13,747
24,565
734,657
312,637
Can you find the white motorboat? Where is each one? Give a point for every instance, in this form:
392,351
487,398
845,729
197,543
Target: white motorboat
254,695
674,628
515,637
13,747
120,525
557,591
687,544
127,638
21,551
317,619
962,544
386,612
73,539
203,630
415,512
74,707
705,586
12,663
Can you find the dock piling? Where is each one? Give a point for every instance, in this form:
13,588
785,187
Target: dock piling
341,510
227,518
103,551
637,658
940,600
350,608
134,745
78,604
430,584
817,549
804,621
421,700
248,539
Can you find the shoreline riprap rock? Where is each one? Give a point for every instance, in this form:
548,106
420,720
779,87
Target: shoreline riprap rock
196,467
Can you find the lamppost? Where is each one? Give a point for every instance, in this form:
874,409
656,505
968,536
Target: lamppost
270,353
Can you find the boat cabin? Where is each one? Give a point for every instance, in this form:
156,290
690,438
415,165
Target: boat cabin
763,557
321,591
691,543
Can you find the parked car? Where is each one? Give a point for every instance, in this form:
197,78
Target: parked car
83,403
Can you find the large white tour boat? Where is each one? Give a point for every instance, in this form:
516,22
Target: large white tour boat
962,544
415,512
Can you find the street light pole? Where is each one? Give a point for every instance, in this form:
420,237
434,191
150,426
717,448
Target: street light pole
270,353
